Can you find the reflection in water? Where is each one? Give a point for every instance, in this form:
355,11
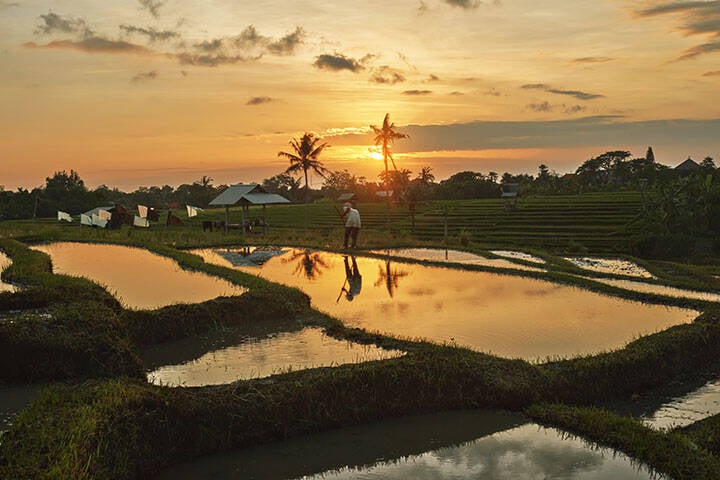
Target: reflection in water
680,412
353,280
14,398
459,445
137,277
390,277
610,265
454,256
519,255
507,315
5,262
643,287
307,263
260,357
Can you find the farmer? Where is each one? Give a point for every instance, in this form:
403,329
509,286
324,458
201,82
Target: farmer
352,224
353,279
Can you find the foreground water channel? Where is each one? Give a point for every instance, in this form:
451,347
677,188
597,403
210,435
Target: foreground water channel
492,445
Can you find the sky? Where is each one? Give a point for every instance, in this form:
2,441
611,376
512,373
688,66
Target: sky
135,93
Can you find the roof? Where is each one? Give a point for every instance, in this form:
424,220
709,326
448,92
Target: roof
96,210
345,197
251,193
688,164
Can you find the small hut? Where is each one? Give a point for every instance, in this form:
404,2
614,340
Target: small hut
509,192
687,167
246,195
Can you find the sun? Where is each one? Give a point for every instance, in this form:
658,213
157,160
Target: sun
375,153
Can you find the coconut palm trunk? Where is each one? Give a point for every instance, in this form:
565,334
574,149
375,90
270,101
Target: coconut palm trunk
386,136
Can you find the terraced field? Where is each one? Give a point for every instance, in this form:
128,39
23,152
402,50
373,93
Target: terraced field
598,222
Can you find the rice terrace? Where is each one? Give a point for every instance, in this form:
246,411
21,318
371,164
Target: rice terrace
480,330
417,240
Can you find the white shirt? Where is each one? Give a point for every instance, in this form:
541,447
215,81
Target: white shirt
353,218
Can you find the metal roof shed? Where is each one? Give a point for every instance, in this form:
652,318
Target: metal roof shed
246,195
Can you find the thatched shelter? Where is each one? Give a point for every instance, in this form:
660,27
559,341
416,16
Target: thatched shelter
246,195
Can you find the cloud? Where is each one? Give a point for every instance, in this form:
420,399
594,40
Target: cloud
698,18
465,4
422,8
210,60
456,93
592,60
338,62
258,100
386,75
152,6
209,45
152,34
540,107
93,45
716,73
432,78
573,93
417,92
287,44
52,23
250,38
4,4
144,76
693,52
574,109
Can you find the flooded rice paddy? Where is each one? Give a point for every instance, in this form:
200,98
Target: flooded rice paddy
453,256
643,287
610,266
518,255
251,357
507,315
459,445
684,410
137,277
5,262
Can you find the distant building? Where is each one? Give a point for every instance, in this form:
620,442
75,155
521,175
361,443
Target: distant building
687,167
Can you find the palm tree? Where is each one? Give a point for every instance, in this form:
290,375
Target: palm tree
303,158
386,136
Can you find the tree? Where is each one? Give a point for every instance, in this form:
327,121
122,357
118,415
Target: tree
649,155
283,184
386,136
304,157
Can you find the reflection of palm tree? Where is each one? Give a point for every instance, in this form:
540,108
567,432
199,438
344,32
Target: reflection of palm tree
309,264
391,277
303,158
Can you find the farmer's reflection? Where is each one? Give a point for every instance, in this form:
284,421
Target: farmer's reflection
391,277
353,280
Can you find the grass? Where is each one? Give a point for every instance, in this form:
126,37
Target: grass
110,423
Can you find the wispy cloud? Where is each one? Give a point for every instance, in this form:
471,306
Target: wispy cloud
580,95
54,23
465,4
211,60
698,18
258,100
386,75
593,60
417,92
93,45
288,44
5,4
152,6
144,77
716,73
152,34
337,62
540,107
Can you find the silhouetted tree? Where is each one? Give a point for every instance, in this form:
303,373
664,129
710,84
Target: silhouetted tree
386,136
304,157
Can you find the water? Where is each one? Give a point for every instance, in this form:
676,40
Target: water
507,315
519,255
14,398
643,287
684,410
253,357
454,445
5,262
611,266
454,256
137,277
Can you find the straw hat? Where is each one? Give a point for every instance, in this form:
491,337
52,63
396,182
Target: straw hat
347,205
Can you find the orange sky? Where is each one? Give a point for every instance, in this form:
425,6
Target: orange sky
146,92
